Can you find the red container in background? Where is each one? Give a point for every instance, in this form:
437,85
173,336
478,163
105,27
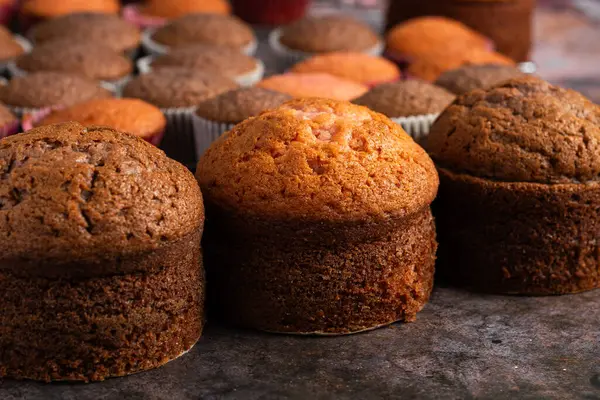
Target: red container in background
270,12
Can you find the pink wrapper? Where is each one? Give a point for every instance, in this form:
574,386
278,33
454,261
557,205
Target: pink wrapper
9,129
7,11
132,14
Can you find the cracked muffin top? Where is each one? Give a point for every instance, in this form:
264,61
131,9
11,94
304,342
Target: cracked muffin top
70,194
171,87
46,89
522,130
467,78
328,33
317,159
99,62
222,30
107,29
406,98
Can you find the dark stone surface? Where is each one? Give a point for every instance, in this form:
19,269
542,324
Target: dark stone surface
462,346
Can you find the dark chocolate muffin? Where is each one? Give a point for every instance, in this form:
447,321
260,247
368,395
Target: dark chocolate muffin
177,87
467,78
9,47
237,105
100,262
101,62
47,89
107,29
329,33
222,30
519,198
321,220
406,98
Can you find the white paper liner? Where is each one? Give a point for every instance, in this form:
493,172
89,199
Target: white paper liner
206,132
527,67
291,56
153,48
178,141
144,66
417,126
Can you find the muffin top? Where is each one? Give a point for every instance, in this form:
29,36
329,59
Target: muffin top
421,36
237,105
328,33
107,29
72,194
6,116
318,160
177,8
222,30
100,62
314,85
211,59
406,98
45,89
355,66
522,130
469,77
128,115
177,87
9,47
56,8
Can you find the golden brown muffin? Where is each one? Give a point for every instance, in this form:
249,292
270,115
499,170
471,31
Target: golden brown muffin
314,85
9,47
100,262
46,9
322,220
359,67
519,195
128,115
469,77
329,33
178,8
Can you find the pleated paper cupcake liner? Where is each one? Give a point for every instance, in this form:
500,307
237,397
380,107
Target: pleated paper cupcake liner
178,141
417,126
153,48
144,66
206,132
131,13
290,57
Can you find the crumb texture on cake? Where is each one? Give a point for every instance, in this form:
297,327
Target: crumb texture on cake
523,130
318,159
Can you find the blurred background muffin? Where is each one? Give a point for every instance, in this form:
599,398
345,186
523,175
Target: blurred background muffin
9,123
314,85
34,11
467,78
10,47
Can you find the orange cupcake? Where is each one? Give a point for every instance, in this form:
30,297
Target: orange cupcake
170,9
129,115
37,10
358,67
314,85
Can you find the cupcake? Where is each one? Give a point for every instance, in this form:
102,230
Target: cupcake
99,62
156,13
314,85
519,196
217,115
101,265
110,30
177,92
129,115
311,205
507,22
39,90
326,34
34,11
9,123
270,12
470,77
359,67
10,46
413,104
210,59
220,30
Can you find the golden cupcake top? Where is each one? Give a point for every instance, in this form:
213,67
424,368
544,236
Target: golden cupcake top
314,84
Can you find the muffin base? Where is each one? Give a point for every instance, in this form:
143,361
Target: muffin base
518,238
89,329
282,283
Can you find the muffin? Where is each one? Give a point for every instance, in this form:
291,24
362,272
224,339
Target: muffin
209,59
413,104
110,30
314,85
9,123
507,22
9,47
100,63
519,196
321,220
221,30
129,115
34,11
49,89
470,77
172,9
217,115
359,67
101,264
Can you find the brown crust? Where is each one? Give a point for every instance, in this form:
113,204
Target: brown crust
329,33
523,130
471,77
406,98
